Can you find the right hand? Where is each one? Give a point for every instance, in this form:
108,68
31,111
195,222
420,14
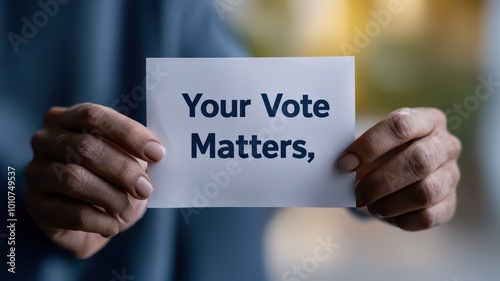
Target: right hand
87,180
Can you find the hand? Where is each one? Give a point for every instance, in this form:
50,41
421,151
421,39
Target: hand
87,180
406,167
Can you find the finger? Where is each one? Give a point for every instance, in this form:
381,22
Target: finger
41,142
72,240
77,182
398,128
415,163
420,195
365,170
104,159
429,217
106,122
140,207
67,213
52,116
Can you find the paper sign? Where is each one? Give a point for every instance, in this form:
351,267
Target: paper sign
251,132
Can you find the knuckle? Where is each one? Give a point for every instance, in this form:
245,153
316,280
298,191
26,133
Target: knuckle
125,168
86,219
74,179
113,229
91,114
47,118
373,182
89,148
420,163
370,146
451,143
402,125
394,178
130,130
37,140
117,202
440,116
428,192
374,185
83,219
424,219
427,219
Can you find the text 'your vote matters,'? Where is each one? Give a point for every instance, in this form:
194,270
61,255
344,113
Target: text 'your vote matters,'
251,146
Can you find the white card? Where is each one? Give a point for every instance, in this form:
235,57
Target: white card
251,132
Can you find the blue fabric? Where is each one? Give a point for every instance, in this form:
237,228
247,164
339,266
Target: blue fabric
94,51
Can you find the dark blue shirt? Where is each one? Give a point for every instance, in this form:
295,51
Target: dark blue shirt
63,52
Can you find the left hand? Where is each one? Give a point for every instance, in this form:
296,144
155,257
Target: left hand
406,169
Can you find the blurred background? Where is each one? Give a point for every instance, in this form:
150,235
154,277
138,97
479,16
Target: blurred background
408,53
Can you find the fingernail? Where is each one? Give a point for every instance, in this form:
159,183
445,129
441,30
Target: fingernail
154,151
127,214
348,162
143,187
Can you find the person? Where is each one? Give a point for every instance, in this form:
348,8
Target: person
87,192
